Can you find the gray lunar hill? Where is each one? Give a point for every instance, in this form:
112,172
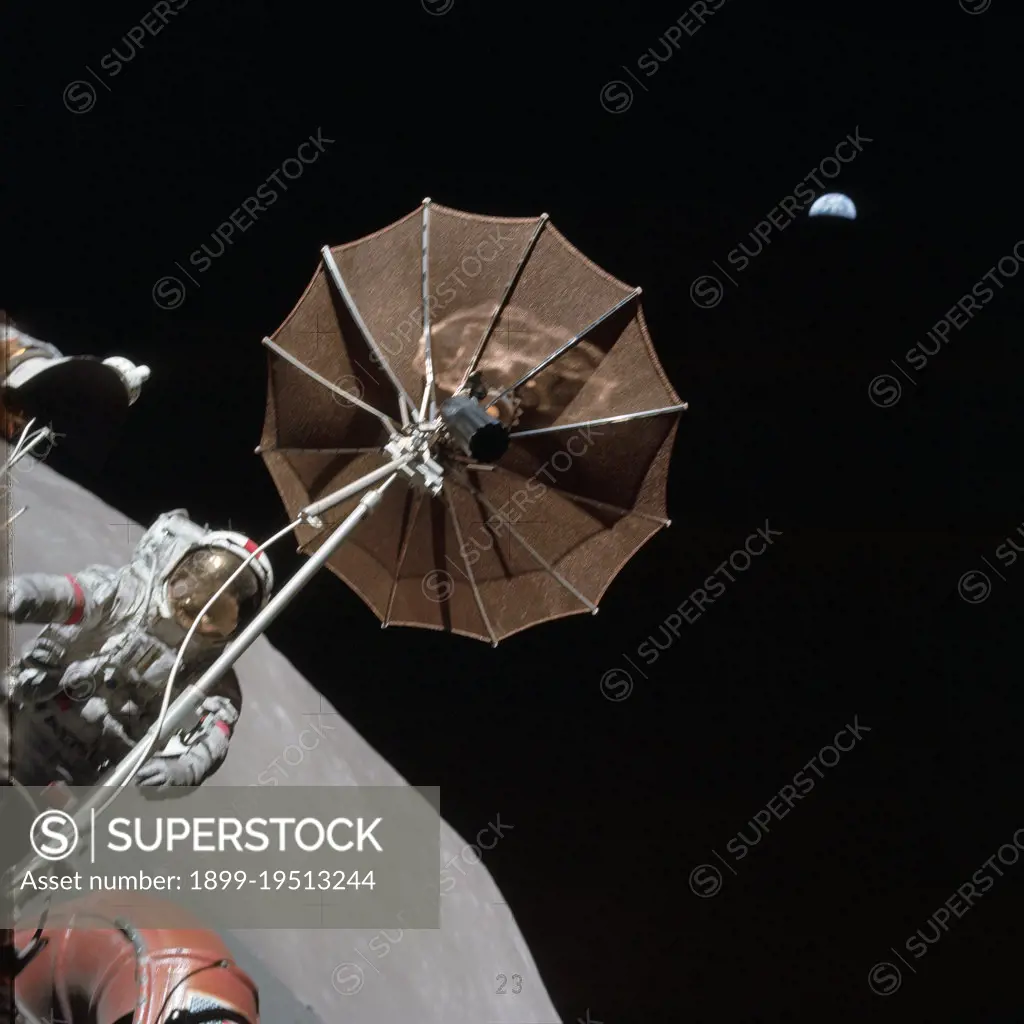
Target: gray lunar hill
448,976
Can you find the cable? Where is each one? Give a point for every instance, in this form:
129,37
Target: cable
24,446
19,444
216,1013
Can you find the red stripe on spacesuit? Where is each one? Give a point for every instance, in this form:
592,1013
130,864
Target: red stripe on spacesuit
79,610
251,546
220,724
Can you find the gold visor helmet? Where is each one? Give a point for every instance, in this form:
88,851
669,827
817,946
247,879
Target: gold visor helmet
199,575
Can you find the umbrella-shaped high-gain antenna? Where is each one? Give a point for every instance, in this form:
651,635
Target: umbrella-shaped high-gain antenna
494,398
510,384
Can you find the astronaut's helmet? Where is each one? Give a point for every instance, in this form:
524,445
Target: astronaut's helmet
204,570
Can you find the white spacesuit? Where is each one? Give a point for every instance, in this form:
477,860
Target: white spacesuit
92,682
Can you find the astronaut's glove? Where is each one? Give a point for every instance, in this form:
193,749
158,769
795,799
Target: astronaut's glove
36,678
200,760
221,710
164,772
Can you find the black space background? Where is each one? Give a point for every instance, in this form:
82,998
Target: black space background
495,108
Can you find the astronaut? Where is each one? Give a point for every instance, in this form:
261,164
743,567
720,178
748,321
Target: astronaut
90,685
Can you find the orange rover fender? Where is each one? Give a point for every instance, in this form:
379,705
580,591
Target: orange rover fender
97,967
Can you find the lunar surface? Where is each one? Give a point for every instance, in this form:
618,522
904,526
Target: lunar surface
833,204
290,735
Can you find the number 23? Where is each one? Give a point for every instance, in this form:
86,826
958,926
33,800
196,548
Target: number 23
517,984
